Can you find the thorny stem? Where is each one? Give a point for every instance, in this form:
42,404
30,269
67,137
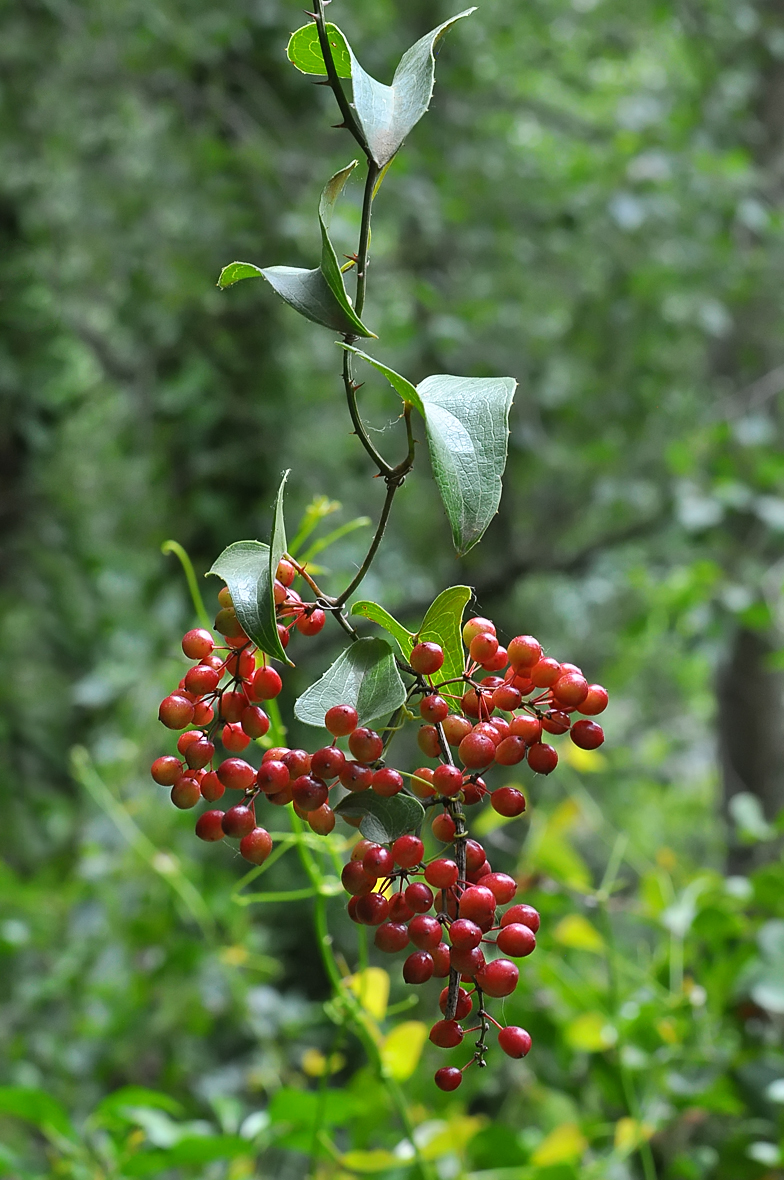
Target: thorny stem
351,388
349,117
392,486
364,236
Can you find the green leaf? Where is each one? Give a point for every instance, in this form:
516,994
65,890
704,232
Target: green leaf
277,548
36,1107
383,820
304,51
443,624
193,1151
377,614
365,676
318,295
386,114
467,422
116,1102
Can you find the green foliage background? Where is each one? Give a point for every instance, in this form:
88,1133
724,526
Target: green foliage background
594,204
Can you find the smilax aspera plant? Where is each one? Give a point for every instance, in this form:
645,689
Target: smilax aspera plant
482,705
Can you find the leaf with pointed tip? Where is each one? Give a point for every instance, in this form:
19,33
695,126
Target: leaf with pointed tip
383,820
277,547
364,675
386,114
304,51
319,295
467,421
442,624
377,614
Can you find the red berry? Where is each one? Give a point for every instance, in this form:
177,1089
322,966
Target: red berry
434,709
327,763
238,821
456,728
186,739
545,673
231,706
203,714
514,1041
442,960
283,635
362,848
429,741
286,573
273,776
185,793
447,780
356,777
391,937
234,739
356,880
166,770
419,897
418,967
508,801
516,940
483,647
408,851
209,826
477,626
498,978
468,960
399,909
595,702
424,932
525,914
556,721
501,885
266,684
422,783
256,846
570,689
254,721
542,758
475,855
176,711
448,1078
197,643
297,761
387,782
200,753
524,651
309,793
341,720
443,828
476,750
587,735
311,621
201,679
441,873
426,658
322,820
477,903
365,745
526,727
372,909
496,662
510,751
378,860
236,774
447,1034
507,697
465,935
211,787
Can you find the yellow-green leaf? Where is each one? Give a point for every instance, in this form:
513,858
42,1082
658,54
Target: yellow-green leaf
591,1033
371,987
403,1047
577,932
370,1161
629,1134
564,1145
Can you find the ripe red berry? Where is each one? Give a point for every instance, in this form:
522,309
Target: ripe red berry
506,697
483,647
514,1041
434,709
238,821
422,783
356,880
595,702
464,935
310,622
266,684
510,751
211,787
447,780
387,782
447,1034
477,626
391,937
464,1002
254,721
378,860
418,967
587,735
209,826
542,758
273,776
443,828
475,855
166,770
365,745
442,960
419,897
203,714
498,978
501,885
322,820
545,673
456,728
297,761
236,774
234,738
570,689
424,931
468,960
399,909
426,658
556,721
524,651
197,643
372,909
341,720
525,914
508,801
309,793
327,763
201,679
356,777
429,741
408,851
516,940
256,846
185,793
448,1078
527,727
441,873
199,753
477,903
176,711
286,573
231,706
476,750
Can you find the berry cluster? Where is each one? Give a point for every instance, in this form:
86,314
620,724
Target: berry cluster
495,713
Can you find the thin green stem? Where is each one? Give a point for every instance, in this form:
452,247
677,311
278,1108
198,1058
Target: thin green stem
198,603
349,118
392,487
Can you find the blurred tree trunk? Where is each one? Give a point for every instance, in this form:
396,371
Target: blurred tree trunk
751,740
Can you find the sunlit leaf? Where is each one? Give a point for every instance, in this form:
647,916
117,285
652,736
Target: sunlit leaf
576,932
304,51
563,1145
365,676
371,987
402,1048
442,624
377,614
591,1032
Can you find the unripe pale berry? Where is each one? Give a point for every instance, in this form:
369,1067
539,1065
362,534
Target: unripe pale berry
197,643
428,741
166,770
477,626
422,783
456,728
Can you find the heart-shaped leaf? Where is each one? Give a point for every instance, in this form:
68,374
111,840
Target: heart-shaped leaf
467,421
377,614
248,568
442,624
319,295
386,114
304,51
365,676
383,820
